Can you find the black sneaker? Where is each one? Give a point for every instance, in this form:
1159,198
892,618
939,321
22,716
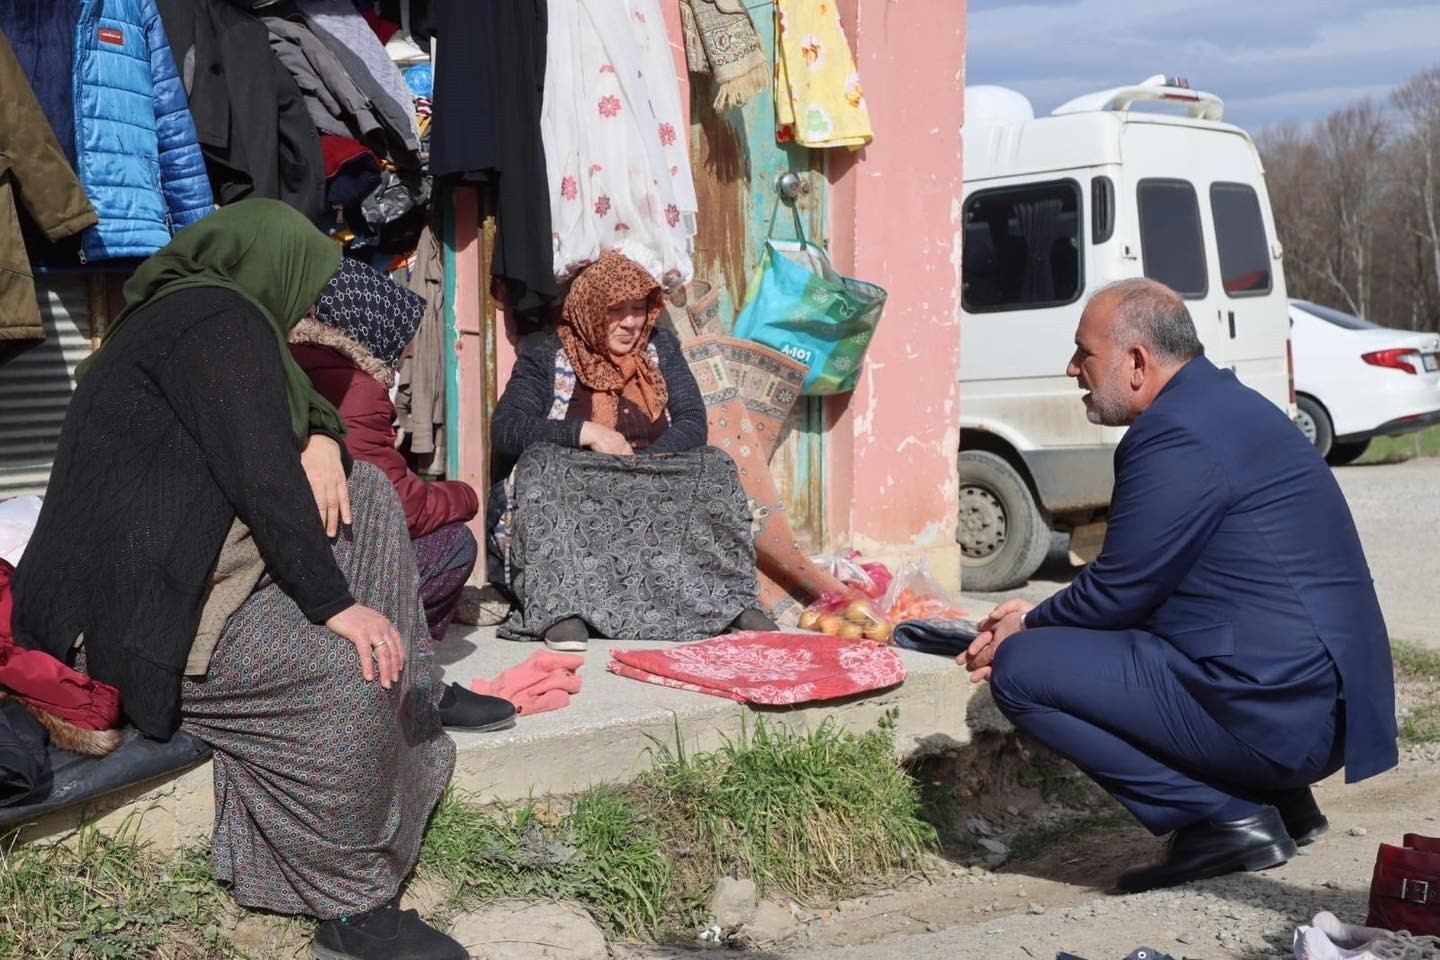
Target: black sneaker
388,933
467,710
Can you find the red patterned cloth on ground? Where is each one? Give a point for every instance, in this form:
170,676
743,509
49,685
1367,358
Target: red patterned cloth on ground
767,668
46,682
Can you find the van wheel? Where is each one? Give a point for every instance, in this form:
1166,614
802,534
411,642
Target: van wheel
1343,453
1314,422
1002,535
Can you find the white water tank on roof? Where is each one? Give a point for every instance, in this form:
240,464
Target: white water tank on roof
989,105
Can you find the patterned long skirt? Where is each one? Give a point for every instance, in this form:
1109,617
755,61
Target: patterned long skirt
323,782
654,547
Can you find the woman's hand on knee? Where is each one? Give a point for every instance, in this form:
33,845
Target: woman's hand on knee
374,636
326,473
604,440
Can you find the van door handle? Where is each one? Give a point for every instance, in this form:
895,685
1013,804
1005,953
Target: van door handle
1232,324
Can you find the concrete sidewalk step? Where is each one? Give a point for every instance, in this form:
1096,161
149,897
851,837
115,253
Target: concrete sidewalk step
608,734
611,727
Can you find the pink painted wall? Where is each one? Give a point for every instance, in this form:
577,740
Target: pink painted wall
895,220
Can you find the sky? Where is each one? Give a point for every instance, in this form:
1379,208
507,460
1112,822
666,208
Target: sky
1271,61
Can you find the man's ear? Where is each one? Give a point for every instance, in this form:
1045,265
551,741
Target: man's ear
1139,366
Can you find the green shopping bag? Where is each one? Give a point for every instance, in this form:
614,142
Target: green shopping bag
799,305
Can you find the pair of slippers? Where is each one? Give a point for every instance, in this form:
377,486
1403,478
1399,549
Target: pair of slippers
545,682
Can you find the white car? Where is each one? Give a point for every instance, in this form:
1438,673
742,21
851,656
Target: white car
1355,381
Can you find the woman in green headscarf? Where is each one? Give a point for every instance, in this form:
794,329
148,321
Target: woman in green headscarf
179,537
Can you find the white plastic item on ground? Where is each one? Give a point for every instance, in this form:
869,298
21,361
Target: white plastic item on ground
17,523
1327,937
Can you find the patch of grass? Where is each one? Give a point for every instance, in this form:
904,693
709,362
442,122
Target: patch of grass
1424,443
109,895
1061,782
797,814
1422,725
802,815
1415,664
1037,841
602,853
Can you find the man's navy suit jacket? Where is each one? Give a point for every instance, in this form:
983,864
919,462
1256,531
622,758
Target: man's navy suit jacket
1230,539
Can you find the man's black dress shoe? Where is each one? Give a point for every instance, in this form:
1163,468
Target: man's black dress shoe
1303,819
1211,849
464,709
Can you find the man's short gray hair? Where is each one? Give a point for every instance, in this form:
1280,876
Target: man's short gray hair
1149,313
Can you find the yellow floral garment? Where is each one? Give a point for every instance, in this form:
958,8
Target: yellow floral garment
818,99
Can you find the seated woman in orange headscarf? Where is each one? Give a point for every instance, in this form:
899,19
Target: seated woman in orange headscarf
614,518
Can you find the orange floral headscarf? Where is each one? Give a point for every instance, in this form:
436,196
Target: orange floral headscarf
585,333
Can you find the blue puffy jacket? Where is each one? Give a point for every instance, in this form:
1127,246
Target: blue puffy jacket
136,150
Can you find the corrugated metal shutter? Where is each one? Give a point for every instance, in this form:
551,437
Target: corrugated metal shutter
35,387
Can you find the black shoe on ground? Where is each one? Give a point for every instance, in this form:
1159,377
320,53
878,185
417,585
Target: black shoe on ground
385,934
1211,849
1301,814
753,619
467,710
571,635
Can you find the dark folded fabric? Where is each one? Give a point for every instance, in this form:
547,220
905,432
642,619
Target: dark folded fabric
24,764
945,638
78,778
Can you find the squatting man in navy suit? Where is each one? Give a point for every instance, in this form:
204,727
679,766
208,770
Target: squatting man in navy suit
1226,650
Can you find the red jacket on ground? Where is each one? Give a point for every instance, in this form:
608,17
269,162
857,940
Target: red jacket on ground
369,416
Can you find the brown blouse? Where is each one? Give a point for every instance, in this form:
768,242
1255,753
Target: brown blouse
630,422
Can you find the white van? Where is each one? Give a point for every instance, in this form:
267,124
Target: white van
1054,209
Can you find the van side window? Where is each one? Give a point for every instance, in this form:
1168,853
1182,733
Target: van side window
1171,243
1023,247
1240,235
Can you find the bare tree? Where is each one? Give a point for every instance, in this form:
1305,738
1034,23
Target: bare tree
1419,105
1352,143
1356,199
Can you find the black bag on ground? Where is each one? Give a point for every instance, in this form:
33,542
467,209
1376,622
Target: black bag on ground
25,775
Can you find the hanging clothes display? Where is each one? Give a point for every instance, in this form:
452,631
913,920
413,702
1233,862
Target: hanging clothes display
721,40
346,34
818,98
50,192
615,140
253,126
141,168
489,78
336,104
422,414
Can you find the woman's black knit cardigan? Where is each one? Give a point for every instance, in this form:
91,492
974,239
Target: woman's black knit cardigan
180,426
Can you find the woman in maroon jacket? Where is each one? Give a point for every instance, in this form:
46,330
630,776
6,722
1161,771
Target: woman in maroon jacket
350,347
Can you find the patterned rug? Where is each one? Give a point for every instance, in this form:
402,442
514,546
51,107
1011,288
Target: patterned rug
749,391
767,668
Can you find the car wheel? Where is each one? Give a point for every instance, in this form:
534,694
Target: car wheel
1343,453
1003,536
1314,422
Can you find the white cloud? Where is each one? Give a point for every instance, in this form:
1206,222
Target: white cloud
1270,61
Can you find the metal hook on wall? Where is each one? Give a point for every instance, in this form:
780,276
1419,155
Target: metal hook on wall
790,186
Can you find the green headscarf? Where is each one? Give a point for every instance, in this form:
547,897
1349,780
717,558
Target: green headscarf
272,256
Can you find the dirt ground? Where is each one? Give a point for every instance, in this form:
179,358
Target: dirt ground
1051,894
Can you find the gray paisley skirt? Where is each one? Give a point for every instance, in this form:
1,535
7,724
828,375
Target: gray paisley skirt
654,547
323,782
